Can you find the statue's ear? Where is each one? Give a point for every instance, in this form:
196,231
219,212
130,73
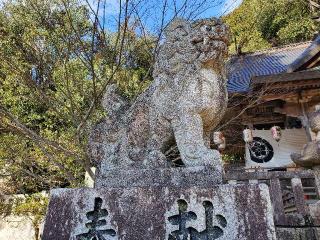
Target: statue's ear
208,21
177,28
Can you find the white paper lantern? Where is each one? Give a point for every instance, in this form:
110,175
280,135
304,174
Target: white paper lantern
276,133
247,135
218,138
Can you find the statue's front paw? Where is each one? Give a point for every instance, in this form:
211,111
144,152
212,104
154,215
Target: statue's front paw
310,156
295,157
155,159
206,157
211,158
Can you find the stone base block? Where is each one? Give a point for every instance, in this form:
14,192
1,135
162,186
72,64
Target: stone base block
179,177
228,212
303,233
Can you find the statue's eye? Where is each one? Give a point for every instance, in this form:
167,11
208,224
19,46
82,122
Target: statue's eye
206,28
182,30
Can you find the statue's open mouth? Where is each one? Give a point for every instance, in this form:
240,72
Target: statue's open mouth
198,40
209,46
213,41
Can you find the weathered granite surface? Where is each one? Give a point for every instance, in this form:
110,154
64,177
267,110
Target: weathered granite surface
186,100
174,177
306,233
221,212
17,228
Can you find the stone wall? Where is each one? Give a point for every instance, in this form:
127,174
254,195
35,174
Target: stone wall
17,228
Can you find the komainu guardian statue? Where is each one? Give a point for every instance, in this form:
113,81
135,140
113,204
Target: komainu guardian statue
310,154
186,100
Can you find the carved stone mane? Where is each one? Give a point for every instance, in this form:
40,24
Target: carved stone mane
187,49
183,104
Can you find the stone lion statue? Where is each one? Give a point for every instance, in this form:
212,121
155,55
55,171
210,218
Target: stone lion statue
186,100
310,154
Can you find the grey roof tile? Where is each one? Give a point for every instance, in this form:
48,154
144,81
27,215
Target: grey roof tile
310,52
240,69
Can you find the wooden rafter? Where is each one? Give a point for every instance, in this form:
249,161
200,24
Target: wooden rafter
315,9
314,5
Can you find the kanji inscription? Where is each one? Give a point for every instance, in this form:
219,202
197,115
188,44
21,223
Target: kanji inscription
95,223
181,219
211,232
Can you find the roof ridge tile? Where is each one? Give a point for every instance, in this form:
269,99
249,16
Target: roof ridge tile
274,49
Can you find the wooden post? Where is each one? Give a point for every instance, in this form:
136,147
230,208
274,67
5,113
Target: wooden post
316,171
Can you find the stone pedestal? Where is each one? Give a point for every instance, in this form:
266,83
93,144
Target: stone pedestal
178,177
229,212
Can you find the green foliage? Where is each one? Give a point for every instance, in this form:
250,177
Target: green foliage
33,206
44,87
135,74
260,24
232,158
131,81
55,65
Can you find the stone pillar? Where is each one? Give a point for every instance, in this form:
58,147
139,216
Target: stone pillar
316,170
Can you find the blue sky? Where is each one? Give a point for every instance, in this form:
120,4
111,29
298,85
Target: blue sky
229,6
224,6
150,11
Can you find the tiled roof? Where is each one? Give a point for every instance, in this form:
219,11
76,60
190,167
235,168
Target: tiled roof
240,69
308,55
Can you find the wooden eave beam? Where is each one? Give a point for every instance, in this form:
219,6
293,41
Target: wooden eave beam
314,61
294,85
293,96
263,120
314,4
307,58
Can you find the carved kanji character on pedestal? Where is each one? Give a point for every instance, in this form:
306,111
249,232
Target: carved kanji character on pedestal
95,222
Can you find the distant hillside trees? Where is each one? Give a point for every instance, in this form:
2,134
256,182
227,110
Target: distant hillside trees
260,24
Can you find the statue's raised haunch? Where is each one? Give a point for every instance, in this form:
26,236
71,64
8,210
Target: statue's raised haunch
310,155
186,100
